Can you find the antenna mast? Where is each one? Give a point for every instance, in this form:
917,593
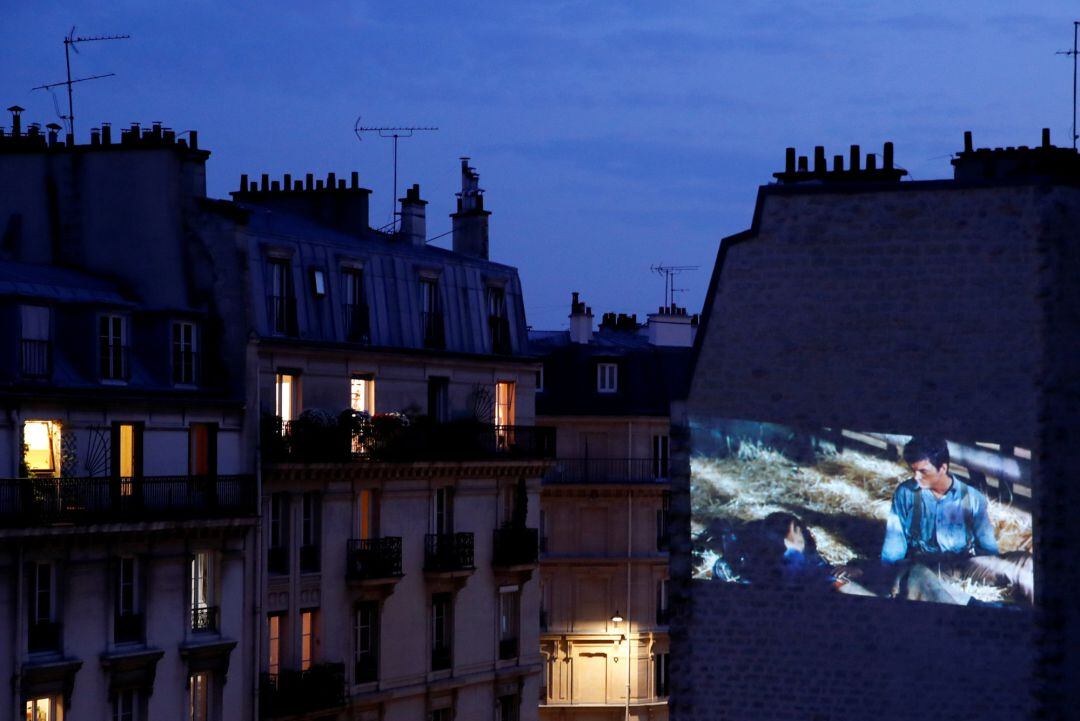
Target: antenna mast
395,133
69,45
669,272
1073,52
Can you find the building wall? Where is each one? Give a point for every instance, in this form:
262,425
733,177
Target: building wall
919,307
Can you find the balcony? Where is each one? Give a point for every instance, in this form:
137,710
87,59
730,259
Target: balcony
43,637
35,359
204,619
515,546
391,439
440,657
508,649
128,628
433,329
607,470
448,552
500,335
292,693
66,501
372,559
281,314
366,668
357,323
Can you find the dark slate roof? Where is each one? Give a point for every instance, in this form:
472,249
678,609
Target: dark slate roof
60,285
649,377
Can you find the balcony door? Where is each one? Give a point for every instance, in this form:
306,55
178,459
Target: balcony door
126,456
442,511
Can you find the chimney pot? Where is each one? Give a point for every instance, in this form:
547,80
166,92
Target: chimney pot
871,162
243,183
265,182
1046,137
287,182
309,181
838,163
887,158
331,182
789,160
856,164
355,180
95,136
819,159
968,146
803,165
106,133
298,185
193,143
341,184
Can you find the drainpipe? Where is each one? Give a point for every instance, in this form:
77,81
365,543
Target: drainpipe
629,618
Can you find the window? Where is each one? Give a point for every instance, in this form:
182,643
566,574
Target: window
318,283
278,552
504,414
41,448
508,708
45,708
184,353
113,347
367,642
307,638
355,308
431,318
509,608
662,615
662,522
126,453
126,705
287,396
202,449
362,394
199,696
129,622
660,457
441,714
540,380
443,510
43,635
366,514
498,322
607,377
35,348
275,623
441,631
438,399
203,611
310,533
660,669
281,299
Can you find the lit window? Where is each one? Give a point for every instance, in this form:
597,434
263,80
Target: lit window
504,414
273,665
203,612
307,639
318,283
365,514
183,353
362,394
202,449
287,396
41,448
199,696
127,451
113,347
607,377
45,708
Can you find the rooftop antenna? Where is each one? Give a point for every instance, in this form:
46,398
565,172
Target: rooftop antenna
69,44
669,272
1073,52
395,133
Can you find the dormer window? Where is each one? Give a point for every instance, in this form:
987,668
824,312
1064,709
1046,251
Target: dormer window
431,317
354,307
184,354
498,321
607,377
34,347
281,300
113,348
318,282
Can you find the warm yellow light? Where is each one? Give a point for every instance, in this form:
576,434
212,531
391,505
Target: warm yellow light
40,439
616,617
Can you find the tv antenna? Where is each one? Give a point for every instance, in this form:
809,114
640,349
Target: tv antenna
69,44
669,272
1073,52
395,133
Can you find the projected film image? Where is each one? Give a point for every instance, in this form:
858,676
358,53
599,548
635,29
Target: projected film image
917,518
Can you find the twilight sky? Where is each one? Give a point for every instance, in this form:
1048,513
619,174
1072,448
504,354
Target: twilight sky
609,136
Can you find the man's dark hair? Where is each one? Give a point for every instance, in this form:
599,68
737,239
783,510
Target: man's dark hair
921,448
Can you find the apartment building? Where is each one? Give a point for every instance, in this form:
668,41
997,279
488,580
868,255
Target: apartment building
400,463
604,564
127,497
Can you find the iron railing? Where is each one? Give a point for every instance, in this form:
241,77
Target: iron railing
110,499
357,322
281,312
371,558
515,546
607,470
448,552
204,618
388,439
500,334
43,637
128,628
35,358
292,693
433,329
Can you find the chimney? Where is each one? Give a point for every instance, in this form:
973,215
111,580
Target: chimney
968,144
54,131
819,160
671,327
581,318
856,163
887,157
16,120
789,160
1046,137
470,222
106,133
413,217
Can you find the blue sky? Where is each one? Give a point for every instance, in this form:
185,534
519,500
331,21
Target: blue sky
610,136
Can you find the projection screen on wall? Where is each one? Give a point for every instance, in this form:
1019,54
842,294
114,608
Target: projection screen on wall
915,518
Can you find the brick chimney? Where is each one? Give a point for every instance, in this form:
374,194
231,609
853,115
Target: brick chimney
470,222
413,217
581,317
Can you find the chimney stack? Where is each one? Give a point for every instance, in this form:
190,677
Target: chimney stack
470,222
1046,137
16,120
581,317
106,133
54,131
968,145
413,217
887,157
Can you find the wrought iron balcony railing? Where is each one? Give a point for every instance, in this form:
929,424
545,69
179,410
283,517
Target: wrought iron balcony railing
372,558
389,439
607,470
35,358
26,502
515,546
128,628
292,693
204,618
43,637
445,552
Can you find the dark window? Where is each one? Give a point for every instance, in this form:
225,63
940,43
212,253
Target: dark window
129,619
660,457
367,641
202,449
357,325
439,399
35,346
126,705
310,533
660,666
509,605
508,707
281,298
441,631
113,348
498,322
278,555
662,522
431,316
184,354
443,510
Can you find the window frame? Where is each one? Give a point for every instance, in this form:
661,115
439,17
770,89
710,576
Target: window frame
367,627
114,342
184,374
607,377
